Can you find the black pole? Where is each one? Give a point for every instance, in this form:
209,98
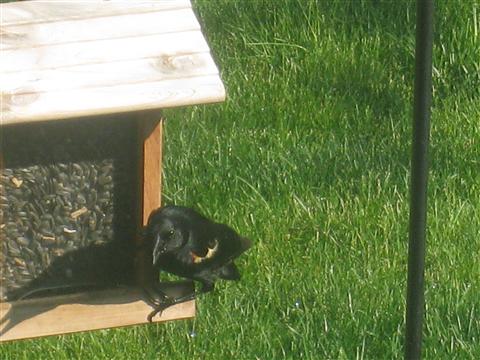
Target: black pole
419,178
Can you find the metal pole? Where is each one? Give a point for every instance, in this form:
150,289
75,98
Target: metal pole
419,178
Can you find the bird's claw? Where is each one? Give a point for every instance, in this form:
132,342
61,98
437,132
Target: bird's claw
159,308
154,295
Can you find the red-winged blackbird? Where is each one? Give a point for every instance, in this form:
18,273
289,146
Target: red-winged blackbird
180,241
185,243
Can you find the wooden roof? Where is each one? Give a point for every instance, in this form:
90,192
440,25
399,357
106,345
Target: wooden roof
69,59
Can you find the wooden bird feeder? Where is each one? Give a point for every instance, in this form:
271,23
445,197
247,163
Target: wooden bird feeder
92,63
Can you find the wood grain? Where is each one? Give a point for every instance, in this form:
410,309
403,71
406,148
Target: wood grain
68,59
102,51
26,105
152,167
105,74
86,311
98,28
27,12
150,128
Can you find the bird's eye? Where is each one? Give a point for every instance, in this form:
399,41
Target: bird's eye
167,234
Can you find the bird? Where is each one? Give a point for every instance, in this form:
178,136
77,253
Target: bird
179,240
183,242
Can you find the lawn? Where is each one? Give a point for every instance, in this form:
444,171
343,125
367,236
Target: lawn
309,157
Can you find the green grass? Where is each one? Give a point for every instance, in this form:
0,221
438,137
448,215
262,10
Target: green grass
309,157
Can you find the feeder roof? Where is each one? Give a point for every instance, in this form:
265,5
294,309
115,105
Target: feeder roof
62,59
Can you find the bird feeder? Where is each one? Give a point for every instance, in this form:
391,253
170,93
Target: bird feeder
82,87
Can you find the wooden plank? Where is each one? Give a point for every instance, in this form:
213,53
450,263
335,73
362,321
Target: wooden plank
108,51
86,311
26,106
26,12
70,59
119,26
150,128
109,74
152,167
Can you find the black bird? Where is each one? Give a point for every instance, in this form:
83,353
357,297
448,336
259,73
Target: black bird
185,243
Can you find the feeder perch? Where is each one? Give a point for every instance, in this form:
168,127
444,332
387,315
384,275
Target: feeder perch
82,87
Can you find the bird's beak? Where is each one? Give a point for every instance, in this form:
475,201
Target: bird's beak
158,250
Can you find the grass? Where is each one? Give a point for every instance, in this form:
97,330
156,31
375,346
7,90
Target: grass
309,157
